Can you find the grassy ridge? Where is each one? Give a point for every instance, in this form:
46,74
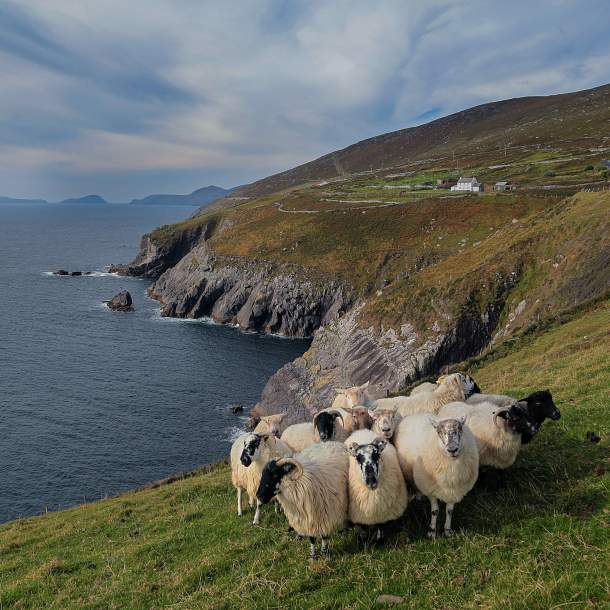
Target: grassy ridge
541,542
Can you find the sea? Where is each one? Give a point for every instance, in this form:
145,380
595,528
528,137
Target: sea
95,402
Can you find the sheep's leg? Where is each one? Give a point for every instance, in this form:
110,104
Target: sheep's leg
380,534
250,501
312,548
433,516
448,514
239,509
325,549
257,513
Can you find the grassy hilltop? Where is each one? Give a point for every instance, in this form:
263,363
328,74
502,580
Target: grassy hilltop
543,541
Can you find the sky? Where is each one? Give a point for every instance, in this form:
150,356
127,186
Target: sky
128,98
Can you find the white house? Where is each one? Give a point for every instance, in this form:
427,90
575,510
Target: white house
469,184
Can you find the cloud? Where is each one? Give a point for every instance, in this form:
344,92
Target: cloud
120,97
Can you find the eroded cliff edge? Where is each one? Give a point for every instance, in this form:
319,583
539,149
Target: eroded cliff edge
395,332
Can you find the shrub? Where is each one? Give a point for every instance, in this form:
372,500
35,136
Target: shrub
550,173
589,168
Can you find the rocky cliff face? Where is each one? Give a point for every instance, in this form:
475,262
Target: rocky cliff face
156,256
251,294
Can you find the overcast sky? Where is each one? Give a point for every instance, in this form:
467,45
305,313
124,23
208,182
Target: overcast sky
131,97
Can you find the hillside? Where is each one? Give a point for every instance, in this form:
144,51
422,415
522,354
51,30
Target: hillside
502,131
199,197
87,199
17,200
540,542
392,276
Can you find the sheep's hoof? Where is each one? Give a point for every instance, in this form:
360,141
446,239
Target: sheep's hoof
449,532
432,534
313,557
326,553
255,521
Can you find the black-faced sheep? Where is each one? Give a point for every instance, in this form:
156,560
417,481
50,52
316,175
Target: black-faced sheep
327,425
539,406
312,489
249,454
377,490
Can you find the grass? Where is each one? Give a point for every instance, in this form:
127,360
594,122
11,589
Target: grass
542,541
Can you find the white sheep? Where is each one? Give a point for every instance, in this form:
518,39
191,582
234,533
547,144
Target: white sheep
312,490
271,424
497,430
450,390
385,422
440,457
350,397
249,454
376,485
426,386
327,425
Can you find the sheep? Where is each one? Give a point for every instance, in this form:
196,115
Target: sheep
451,389
356,418
440,457
376,486
539,405
385,422
312,490
497,430
426,386
271,424
324,427
470,386
249,454
350,397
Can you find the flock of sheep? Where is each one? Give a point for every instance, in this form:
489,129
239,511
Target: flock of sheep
361,464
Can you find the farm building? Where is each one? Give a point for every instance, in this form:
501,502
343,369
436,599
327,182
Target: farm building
445,183
468,184
504,185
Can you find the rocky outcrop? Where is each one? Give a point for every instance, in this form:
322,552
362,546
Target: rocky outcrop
121,302
254,295
159,252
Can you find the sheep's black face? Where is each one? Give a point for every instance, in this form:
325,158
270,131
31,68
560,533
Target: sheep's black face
368,458
450,434
520,421
251,444
540,405
470,385
271,479
325,425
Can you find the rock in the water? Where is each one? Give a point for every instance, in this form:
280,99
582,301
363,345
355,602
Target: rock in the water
236,409
121,302
76,273
61,272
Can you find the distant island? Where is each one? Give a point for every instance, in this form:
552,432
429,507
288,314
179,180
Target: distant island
18,200
88,199
200,197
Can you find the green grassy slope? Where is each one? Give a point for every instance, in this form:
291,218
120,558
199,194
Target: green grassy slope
541,542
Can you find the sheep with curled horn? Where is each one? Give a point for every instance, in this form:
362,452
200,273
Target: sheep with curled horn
440,458
376,485
539,406
249,454
327,425
312,490
498,431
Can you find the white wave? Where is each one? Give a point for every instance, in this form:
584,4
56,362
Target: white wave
91,274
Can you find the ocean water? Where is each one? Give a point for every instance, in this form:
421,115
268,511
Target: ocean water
95,402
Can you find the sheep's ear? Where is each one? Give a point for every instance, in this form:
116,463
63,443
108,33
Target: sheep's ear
352,448
364,386
280,416
380,443
504,414
263,435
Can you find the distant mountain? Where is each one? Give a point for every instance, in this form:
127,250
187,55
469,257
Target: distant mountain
86,199
16,200
200,197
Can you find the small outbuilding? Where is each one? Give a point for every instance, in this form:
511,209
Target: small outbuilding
504,185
